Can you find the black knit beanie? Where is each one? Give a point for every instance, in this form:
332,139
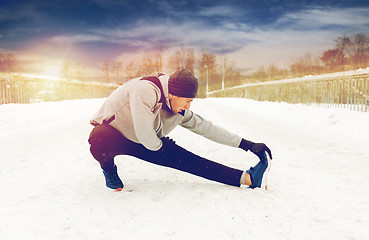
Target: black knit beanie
183,84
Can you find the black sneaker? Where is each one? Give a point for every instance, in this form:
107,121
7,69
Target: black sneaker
112,180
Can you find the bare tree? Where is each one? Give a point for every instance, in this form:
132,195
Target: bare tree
133,69
176,61
67,70
272,72
2,63
105,70
117,71
357,49
182,58
8,62
342,44
79,71
232,77
147,65
190,60
158,60
208,72
307,64
331,60
350,52
260,75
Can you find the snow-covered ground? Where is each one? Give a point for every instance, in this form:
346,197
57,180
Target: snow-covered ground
318,188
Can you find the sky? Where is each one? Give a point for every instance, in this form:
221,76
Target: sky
251,33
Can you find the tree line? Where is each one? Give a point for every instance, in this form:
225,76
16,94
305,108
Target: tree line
8,63
205,65
349,53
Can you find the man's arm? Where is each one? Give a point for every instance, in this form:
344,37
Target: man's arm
143,103
205,128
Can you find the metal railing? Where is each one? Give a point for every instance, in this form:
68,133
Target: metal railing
348,89
25,89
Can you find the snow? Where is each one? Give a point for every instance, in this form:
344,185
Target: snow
318,188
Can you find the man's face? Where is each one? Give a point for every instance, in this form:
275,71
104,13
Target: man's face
179,104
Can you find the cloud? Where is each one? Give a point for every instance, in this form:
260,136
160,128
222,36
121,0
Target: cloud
280,47
320,18
293,34
78,38
221,11
165,34
110,3
21,12
230,35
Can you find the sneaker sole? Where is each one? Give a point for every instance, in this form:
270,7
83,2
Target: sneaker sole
265,175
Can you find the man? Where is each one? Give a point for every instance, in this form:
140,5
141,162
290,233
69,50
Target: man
137,116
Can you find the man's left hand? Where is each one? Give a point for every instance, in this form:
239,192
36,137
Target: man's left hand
256,148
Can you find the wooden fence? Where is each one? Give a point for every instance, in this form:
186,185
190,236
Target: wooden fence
22,89
344,89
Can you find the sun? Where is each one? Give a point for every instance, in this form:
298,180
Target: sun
51,71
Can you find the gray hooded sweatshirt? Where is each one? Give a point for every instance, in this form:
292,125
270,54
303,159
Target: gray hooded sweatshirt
140,118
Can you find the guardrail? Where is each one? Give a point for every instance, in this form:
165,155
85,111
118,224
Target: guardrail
348,89
29,89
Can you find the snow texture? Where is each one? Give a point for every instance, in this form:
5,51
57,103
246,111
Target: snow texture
318,188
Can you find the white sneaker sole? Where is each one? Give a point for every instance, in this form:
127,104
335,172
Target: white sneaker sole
264,184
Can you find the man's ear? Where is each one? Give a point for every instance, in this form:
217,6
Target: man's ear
171,96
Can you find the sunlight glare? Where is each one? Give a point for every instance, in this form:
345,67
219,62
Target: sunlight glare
51,71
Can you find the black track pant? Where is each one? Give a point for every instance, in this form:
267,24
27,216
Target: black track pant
107,142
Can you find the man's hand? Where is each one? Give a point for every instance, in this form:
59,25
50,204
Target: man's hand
166,147
256,148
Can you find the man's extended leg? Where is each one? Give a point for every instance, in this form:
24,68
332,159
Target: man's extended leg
176,157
